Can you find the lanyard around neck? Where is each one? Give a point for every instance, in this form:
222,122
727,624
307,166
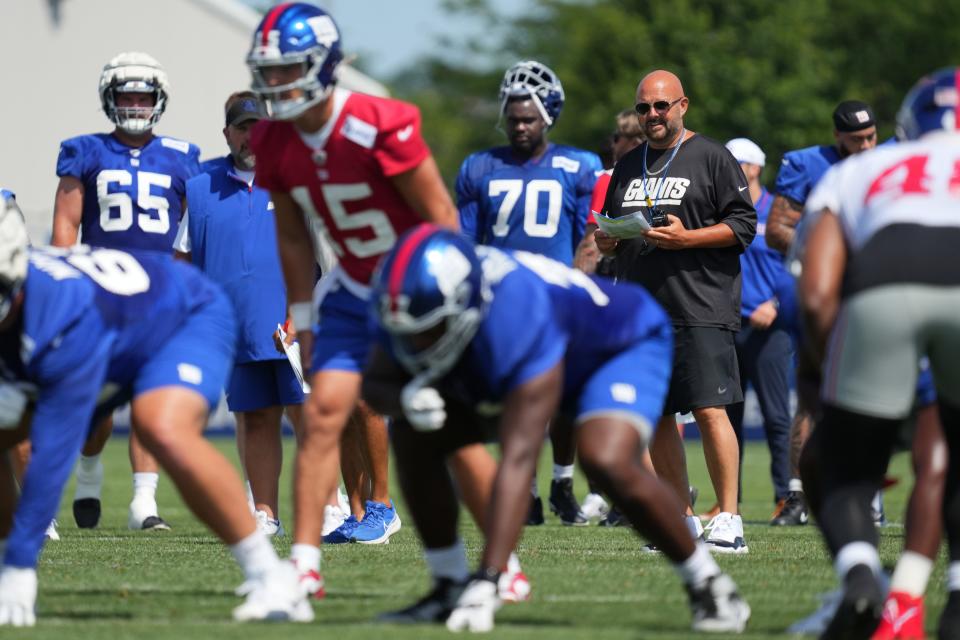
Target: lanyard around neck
665,170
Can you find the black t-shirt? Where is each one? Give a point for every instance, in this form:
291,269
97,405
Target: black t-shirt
702,186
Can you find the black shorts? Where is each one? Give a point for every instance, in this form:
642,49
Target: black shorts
464,427
705,370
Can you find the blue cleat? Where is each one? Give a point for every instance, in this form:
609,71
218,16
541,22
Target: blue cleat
378,524
343,533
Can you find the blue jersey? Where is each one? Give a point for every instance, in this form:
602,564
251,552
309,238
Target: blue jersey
540,205
132,196
541,313
90,322
801,170
764,276
233,239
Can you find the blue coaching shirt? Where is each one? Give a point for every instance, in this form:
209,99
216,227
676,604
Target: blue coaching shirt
540,205
763,273
233,239
90,321
132,196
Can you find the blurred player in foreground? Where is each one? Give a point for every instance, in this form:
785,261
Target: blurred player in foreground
880,289
74,339
516,336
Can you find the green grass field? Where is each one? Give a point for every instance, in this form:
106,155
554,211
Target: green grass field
587,582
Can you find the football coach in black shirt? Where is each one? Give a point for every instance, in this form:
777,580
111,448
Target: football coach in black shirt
696,197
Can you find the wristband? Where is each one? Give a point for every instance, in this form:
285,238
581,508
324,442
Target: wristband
302,315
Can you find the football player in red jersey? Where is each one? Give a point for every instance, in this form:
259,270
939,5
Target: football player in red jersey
356,169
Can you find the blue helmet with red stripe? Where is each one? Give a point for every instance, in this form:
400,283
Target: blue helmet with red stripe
931,105
294,57
429,295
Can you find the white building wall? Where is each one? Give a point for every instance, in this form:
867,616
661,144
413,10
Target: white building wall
53,51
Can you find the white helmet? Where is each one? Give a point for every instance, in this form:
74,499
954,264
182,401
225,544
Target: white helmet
13,254
539,82
133,72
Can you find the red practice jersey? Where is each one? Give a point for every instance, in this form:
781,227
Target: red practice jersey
599,195
341,174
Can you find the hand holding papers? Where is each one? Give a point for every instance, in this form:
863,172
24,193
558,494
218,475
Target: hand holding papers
633,225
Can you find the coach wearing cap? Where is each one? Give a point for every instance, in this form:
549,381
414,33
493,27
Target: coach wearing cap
229,233
764,347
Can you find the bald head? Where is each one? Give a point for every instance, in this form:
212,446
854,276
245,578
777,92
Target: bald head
660,81
661,106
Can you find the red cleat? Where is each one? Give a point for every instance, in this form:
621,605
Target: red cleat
902,618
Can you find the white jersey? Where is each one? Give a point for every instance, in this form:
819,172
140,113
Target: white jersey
898,206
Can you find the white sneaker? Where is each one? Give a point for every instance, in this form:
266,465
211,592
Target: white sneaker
51,533
270,527
476,608
333,517
816,623
717,606
726,534
594,507
18,597
276,597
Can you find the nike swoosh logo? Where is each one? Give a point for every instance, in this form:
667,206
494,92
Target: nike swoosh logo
741,189
404,134
721,390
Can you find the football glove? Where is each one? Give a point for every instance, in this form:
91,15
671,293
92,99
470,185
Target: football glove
18,596
476,607
423,406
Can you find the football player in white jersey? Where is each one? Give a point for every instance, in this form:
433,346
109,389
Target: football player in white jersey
880,290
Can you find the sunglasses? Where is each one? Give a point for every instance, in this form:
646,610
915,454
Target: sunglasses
661,106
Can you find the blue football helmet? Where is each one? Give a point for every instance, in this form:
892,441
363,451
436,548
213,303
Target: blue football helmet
931,105
304,40
429,295
539,82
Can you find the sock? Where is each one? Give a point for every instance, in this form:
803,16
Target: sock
953,576
534,491
795,484
145,486
911,574
698,568
306,557
255,555
89,478
854,553
448,562
513,564
562,471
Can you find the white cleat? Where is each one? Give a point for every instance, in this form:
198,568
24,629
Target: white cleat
18,597
594,507
514,586
717,606
476,608
143,516
51,532
275,597
268,526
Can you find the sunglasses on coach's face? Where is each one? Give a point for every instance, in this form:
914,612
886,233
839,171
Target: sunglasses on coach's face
661,106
